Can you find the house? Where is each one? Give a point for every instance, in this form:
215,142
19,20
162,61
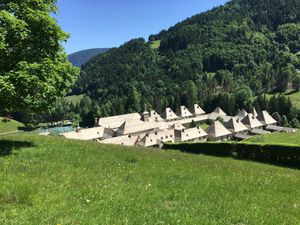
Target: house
219,111
177,126
242,114
236,126
136,128
266,119
196,110
183,112
169,115
96,133
217,132
155,116
251,122
127,140
156,139
192,134
116,121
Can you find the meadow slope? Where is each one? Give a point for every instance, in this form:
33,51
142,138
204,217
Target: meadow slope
49,180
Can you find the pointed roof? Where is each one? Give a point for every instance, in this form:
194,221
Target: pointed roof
183,112
220,111
177,126
251,122
235,125
242,114
254,112
266,118
217,130
152,139
197,110
190,134
155,116
169,114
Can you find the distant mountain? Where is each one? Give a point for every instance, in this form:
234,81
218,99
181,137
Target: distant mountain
81,57
223,57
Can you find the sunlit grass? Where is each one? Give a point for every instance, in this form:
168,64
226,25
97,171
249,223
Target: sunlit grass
49,180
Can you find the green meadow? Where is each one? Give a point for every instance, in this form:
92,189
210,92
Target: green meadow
50,180
277,138
10,126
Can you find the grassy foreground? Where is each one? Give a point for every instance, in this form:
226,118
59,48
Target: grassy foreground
277,138
48,180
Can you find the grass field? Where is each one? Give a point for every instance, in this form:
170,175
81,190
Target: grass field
278,138
155,44
75,99
11,126
49,180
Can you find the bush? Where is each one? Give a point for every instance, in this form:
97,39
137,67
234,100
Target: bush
285,155
5,120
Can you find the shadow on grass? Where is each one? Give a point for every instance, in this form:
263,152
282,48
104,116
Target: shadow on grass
7,147
291,92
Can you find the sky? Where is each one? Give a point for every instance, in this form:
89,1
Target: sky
110,23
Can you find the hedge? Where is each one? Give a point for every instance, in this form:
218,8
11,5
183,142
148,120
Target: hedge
286,155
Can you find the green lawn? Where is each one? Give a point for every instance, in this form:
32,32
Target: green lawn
75,99
11,126
155,44
49,180
278,138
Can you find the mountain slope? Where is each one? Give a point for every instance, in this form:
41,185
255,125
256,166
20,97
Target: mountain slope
219,58
81,57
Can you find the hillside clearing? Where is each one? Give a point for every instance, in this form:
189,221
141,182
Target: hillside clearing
74,99
49,180
277,138
11,126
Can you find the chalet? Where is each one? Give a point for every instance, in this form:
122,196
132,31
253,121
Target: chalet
183,112
127,140
177,126
116,121
156,139
169,115
219,111
136,128
266,119
236,126
217,132
254,112
192,134
196,110
242,114
251,122
155,116
97,133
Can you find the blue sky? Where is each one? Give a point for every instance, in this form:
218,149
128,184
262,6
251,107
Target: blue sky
110,23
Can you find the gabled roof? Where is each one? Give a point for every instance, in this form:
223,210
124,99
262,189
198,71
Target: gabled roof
132,128
177,126
217,130
254,112
183,112
235,125
155,116
219,111
251,122
190,134
197,110
242,114
169,114
152,139
89,134
127,140
266,118
117,121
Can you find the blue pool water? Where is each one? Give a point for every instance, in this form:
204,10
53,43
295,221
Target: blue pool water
57,130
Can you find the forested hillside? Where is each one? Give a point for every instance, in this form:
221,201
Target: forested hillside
81,57
224,57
